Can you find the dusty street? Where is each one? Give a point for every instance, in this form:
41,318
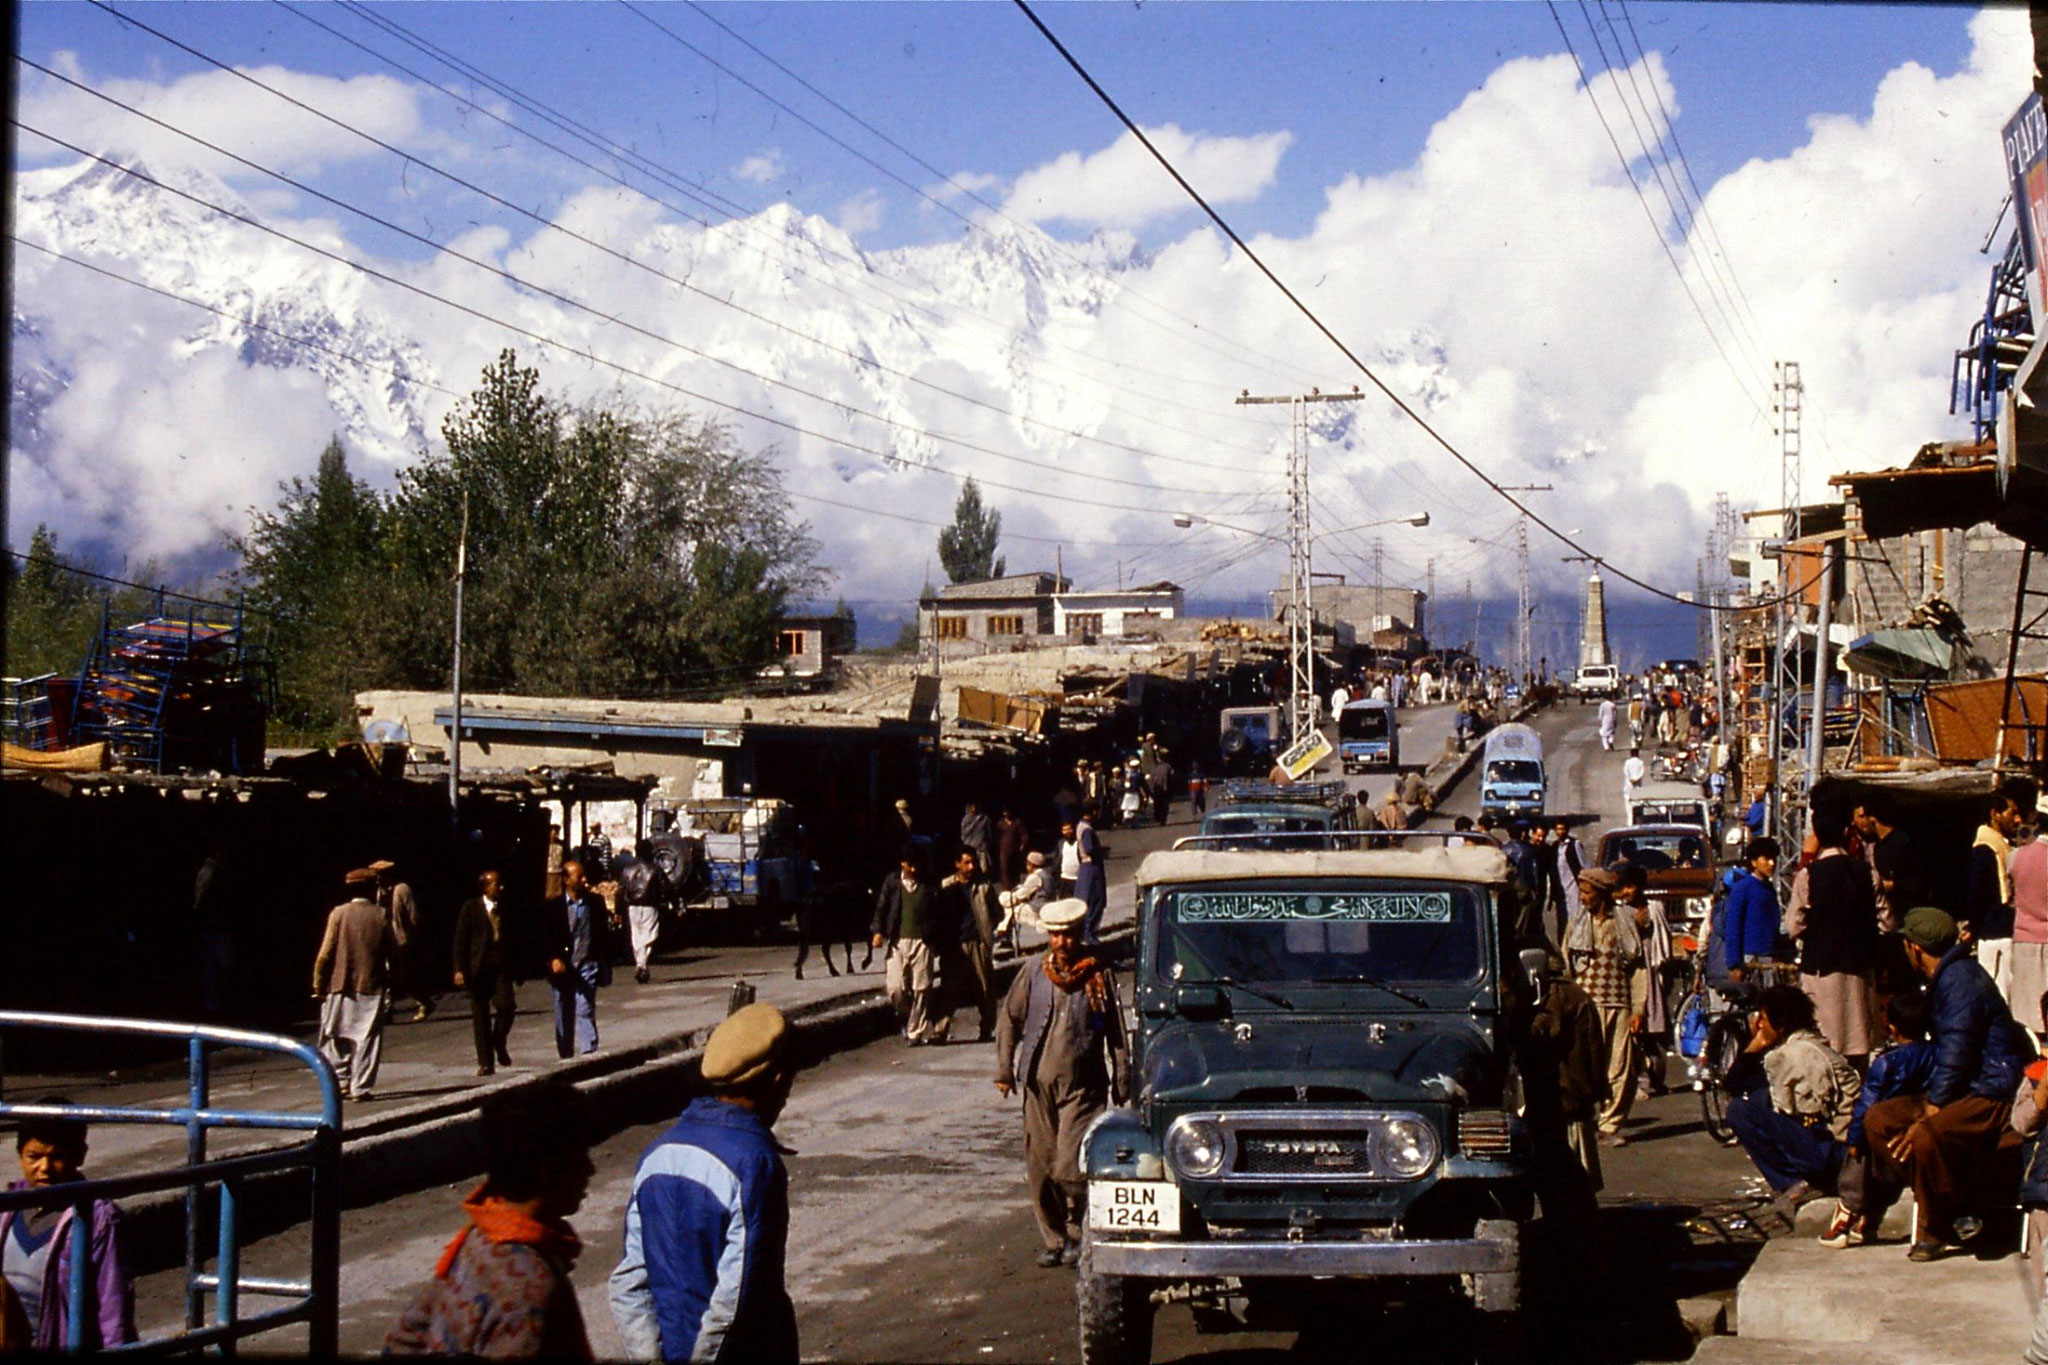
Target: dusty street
911,1241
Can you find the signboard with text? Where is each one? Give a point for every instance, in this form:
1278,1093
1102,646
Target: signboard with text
2026,163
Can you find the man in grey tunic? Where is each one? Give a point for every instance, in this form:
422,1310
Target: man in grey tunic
1061,1031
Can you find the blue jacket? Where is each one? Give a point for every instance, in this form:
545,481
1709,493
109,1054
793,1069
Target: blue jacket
707,1227
1750,928
1899,1070
1978,1049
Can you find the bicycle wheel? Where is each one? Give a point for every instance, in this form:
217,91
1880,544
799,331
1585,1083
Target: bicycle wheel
1726,1038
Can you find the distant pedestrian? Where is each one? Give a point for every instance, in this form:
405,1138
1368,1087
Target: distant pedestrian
907,923
411,953
1160,780
501,1289
645,890
578,943
557,856
2030,921
1091,884
1131,800
967,976
1635,721
351,982
1013,842
707,1224
36,1245
1198,791
1568,861
976,835
1070,858
1633,771
1607,723
1022,902
485,951
1060,1038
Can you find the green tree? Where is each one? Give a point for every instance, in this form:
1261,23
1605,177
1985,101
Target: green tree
313,571
52,610
842,611
967,548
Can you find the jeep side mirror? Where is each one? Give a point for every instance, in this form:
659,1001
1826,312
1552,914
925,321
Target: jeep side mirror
1201,1002
1534,960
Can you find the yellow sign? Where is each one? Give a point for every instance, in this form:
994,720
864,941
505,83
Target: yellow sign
1304,754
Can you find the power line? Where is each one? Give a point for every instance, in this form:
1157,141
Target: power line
1224,226
1586,83
301,339
629,260
618,320
861,271
545,340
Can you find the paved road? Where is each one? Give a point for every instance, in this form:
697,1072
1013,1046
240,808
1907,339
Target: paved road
911,1240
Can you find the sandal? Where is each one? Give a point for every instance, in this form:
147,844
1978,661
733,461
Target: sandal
1845,1229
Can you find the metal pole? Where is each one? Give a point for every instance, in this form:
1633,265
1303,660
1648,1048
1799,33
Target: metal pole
455,736
195,1193
1820,672
227,1269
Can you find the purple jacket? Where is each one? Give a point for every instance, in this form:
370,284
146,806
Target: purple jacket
112,1288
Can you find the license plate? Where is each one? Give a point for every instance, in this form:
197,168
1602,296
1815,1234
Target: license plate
1134,1206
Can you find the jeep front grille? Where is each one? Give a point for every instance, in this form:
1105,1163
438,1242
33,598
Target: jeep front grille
1301,1152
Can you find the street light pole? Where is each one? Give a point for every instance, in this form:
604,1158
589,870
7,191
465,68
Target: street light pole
455,736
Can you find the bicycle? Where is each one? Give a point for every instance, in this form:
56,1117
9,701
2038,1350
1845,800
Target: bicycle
1714,1033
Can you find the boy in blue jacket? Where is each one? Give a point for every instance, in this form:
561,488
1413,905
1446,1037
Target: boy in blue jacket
1750,922
1902,1068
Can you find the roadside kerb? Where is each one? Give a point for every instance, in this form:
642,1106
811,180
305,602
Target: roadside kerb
436,1142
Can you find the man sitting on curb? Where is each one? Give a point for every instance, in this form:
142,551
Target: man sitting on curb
1955,1143
1795,1126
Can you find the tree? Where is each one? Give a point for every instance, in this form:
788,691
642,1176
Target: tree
612,550
312,571
849,625
52,610
967,548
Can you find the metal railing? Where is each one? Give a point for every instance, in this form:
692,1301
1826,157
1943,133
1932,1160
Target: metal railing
313,1300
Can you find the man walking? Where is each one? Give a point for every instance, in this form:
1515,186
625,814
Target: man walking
975,834
906,922
1607,723
1013,842
1060,1036
1568,860
1091,883
707,1224
577,930
1987,901
411,964
1605,953
968,972
484,954
644,890
351,982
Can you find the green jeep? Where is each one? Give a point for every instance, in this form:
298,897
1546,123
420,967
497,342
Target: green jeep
1323,1090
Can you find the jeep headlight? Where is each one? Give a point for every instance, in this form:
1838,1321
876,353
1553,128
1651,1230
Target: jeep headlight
1194,1147
1405,1147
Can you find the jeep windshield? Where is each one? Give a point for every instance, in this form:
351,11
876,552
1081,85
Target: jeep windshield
1655,852
1321,934
1267,822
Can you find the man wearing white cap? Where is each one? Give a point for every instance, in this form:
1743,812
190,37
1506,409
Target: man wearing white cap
707,1224
1061,1031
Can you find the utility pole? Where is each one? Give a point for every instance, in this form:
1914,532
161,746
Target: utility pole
1788,783
1428,590
1301,636
455,735
1524,664
1472,614
1379,583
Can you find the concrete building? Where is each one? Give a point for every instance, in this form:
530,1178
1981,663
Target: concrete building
811,645
1113,615
1364,608
989,613
1593,635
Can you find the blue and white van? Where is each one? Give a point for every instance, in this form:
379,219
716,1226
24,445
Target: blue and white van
1511,774
1368,735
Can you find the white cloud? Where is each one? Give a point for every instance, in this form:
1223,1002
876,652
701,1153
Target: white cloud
862,213
224,110
1504,280
961,185
764,168
1122,186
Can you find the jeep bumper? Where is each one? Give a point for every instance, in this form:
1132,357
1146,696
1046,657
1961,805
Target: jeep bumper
1276,1259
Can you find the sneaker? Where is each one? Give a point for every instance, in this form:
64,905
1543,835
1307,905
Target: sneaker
1844,1229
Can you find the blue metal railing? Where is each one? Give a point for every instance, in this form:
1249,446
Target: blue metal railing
314,1300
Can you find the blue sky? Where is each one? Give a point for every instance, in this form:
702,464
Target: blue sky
1436,162
971,88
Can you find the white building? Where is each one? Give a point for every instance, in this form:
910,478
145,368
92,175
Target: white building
1113,615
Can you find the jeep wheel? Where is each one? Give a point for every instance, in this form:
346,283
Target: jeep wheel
1116,1316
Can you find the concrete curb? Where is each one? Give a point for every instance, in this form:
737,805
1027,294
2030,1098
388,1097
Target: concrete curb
439,1141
